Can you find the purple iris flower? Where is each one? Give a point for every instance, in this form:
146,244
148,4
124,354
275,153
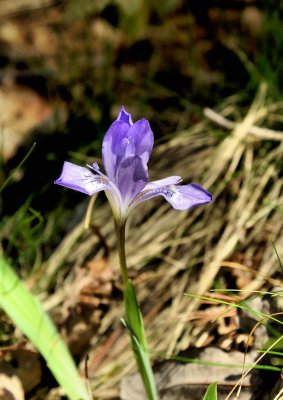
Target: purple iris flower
125,150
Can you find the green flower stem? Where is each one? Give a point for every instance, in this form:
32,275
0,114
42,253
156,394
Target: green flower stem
120,227
133,320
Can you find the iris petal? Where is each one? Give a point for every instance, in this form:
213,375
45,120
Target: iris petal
124,140
124,116
132,177
141,137
170,180
187,196
114,147
180,197
81,179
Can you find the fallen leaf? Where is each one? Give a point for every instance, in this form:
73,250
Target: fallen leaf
87,297
11,388
18,362
21,111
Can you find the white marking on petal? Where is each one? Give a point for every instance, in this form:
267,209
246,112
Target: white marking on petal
170,180
180,197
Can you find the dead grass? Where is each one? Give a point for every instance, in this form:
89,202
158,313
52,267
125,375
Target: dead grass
170,252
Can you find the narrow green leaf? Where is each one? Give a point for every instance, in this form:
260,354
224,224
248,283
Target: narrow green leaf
134,324
29,316
133,316
277,255
145,369
240,304
5,183
219,364
211,393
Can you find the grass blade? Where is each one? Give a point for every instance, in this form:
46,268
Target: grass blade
29,316
277,255
211,393
134,323
10,177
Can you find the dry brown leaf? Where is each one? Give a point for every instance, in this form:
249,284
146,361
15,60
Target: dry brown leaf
19,362
11,388
92,284
9,8
84,306
21,110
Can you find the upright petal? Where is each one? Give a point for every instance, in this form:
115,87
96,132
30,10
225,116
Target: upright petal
114,147
141,137
180,197
125,139
124,116
132,177
81,179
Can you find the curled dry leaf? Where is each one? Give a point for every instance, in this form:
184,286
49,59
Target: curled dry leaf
92,284
11,388
18,362
88,297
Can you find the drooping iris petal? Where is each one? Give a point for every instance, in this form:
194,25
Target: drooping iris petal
132,177
180,197
187,196
170,180
81,179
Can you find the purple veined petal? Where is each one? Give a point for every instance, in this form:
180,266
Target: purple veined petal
180,197
82,179
124,116
141,137
170,180
132,177
123,140
114,147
